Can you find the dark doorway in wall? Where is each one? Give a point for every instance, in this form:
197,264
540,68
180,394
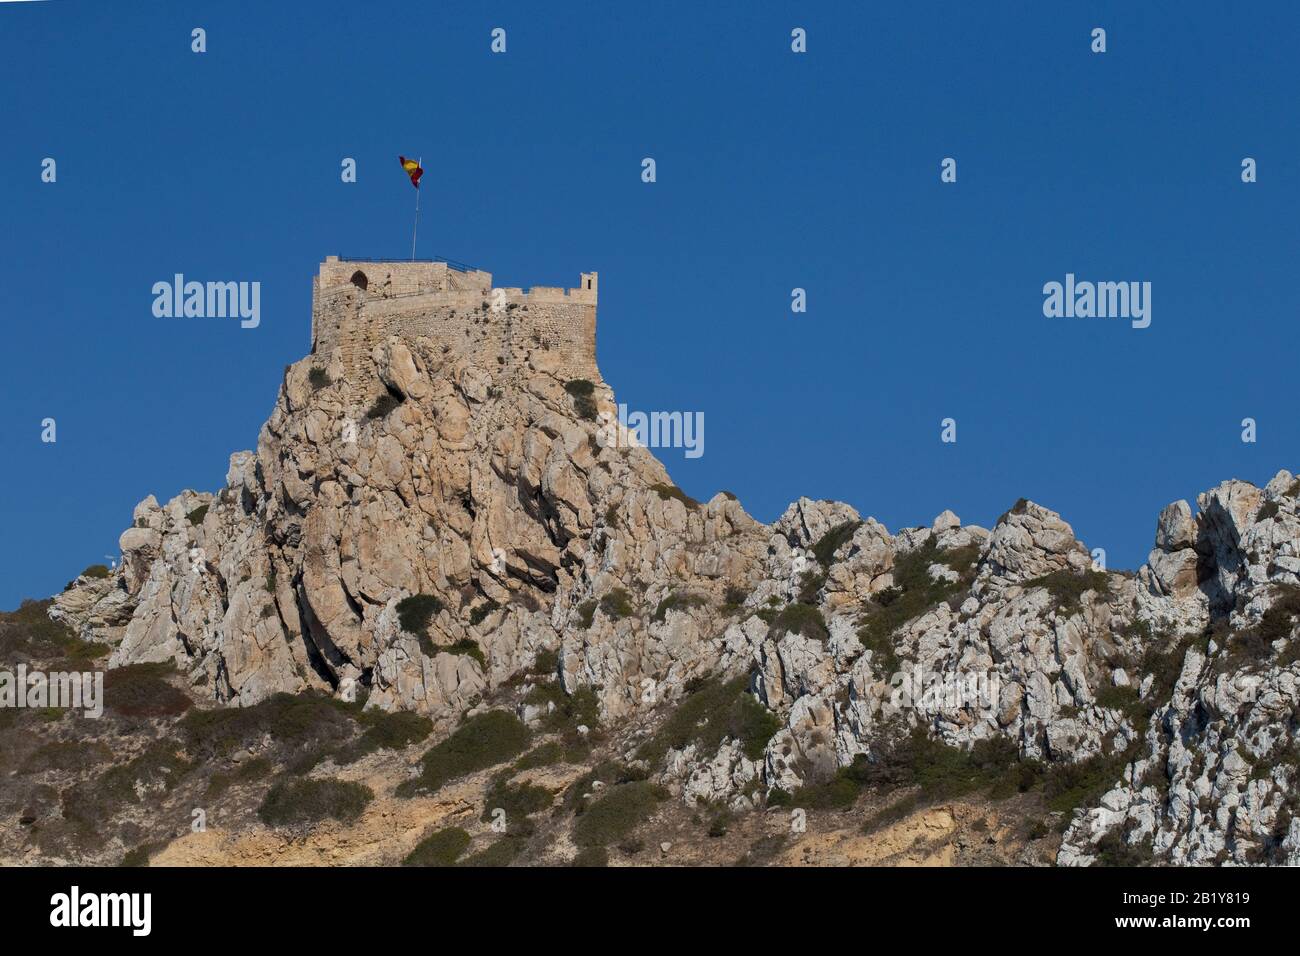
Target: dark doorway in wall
359,280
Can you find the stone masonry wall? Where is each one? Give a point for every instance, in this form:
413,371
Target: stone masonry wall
458,309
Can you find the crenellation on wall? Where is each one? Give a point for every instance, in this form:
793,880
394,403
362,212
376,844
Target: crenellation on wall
356,304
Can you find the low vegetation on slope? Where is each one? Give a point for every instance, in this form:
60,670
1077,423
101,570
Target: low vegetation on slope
926,771
1067,588
304,800
482,741
616,814
713,709
28,634
914,591
440,848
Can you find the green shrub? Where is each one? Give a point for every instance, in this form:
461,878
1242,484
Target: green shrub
1020,507
677,602
763,850
66,755
1123,699
826,546
160,764
914,591
383,405
587,613
1247,645
962,560
777,797
802,619
616,814
892,813
1114,850
92,802
397,730
734,596
1164,663
810,586
440,848
719,824
582,707
139,856
1278,620
517,800
198,514
543,755
884,658
299,722
318,378
481,741
1068,587
142,690
1289,655
387,731
591,856
1072,785
469,646
711,711
95,571
841,790
581,391
29,631
940,772
303,800
753,725
672,491
547,662
617,604
607,772
477,615
249,771
501,853
415,613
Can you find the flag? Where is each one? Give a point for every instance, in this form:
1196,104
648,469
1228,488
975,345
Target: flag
412,169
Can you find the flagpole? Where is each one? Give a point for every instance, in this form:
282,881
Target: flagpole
417,213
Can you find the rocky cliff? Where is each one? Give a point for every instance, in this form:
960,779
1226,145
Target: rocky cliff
472,534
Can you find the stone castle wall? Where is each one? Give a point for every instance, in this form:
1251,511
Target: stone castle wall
358,304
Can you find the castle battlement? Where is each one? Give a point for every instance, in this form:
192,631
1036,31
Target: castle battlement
357,303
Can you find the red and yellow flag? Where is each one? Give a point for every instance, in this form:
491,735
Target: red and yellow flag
412,169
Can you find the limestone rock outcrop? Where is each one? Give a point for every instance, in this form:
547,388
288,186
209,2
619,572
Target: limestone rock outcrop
494,494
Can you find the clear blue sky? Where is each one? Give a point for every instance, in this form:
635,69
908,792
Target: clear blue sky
774,171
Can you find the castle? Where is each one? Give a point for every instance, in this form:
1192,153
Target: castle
357,303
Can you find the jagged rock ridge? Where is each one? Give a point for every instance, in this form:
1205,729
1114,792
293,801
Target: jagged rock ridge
483,486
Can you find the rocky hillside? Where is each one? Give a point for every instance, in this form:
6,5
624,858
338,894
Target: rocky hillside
445,592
